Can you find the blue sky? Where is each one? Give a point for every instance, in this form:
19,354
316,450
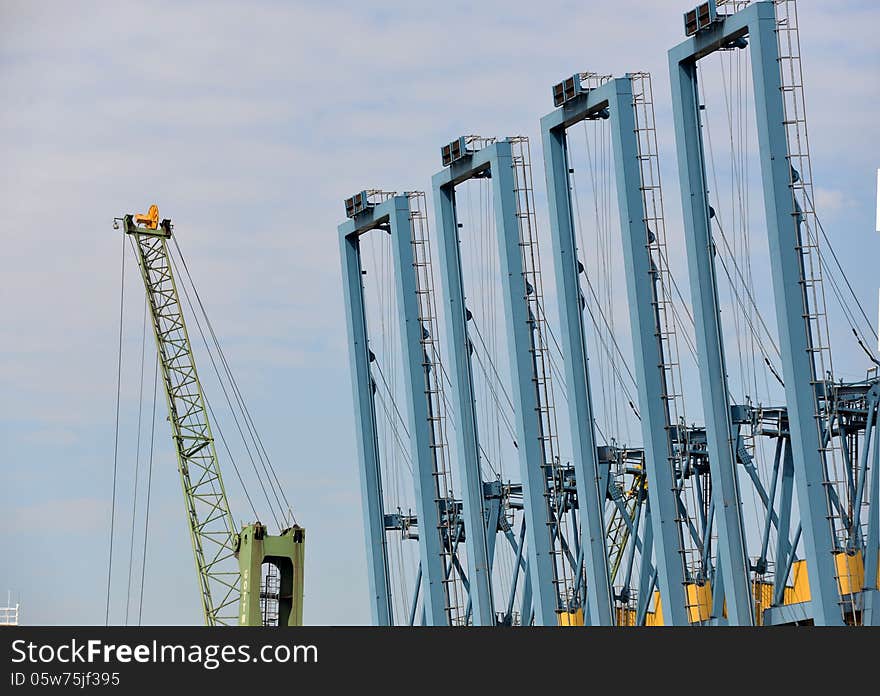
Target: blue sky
248,124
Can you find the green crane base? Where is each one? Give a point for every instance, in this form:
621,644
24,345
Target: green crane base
286,553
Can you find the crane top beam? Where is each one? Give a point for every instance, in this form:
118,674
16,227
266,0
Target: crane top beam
143,225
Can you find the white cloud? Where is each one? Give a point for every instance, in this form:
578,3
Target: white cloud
70,517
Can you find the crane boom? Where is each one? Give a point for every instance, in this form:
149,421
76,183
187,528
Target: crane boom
212,529
251,578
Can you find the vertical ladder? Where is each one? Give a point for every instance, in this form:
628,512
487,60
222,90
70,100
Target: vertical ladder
663,301
554,493
456,596
653,216
270,590
803,211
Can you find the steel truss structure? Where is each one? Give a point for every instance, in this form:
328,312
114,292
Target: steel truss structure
229,565
212,529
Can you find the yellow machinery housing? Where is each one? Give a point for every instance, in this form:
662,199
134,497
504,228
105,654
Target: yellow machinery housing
570,618
850,572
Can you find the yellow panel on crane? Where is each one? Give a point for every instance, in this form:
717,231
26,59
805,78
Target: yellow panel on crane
699,601
850,569
850,572
150,220
570,618
801,590
763,593
655,618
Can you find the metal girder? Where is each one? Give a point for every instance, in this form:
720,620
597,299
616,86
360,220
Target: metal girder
872,538
495,161
577,378
758,23
370,469
480,594
394,214
615,96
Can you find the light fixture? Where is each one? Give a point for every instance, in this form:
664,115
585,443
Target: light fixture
701,17
357,204
455,151
567,90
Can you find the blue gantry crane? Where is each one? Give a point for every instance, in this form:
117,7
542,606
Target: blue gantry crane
757,503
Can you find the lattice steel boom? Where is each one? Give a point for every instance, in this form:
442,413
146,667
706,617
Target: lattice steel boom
226,562
211,526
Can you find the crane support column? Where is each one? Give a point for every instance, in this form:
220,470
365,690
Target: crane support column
496,160
368,441
648,353
473,504
394,216
710,356
613,99
756,22
577,377
872,538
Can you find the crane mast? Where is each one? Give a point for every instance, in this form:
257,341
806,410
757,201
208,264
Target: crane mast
226,561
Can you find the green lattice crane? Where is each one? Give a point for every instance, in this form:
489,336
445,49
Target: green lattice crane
618,528
233,585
